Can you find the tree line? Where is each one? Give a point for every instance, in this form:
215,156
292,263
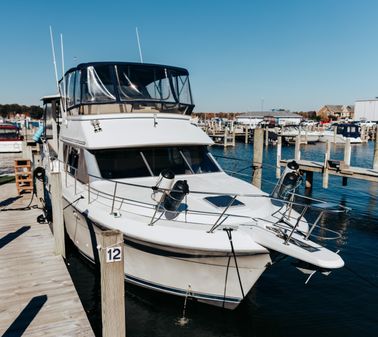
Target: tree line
34,111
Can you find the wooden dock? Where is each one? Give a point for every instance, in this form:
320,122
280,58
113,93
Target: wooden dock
333,167
37,296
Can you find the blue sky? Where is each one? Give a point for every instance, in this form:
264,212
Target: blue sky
294,54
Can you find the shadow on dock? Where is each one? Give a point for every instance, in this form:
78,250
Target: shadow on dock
9,201
12,236
26,316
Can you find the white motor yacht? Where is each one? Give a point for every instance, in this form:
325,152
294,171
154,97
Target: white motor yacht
307,136
10,138
131,160
339,133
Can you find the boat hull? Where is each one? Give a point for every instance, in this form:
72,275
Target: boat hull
339,139
10,146
208,277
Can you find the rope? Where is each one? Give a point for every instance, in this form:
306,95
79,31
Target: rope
228,231
225,282
81,197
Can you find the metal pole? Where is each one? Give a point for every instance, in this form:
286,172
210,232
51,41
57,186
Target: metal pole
114,194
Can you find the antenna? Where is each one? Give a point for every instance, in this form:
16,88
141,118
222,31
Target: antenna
64,78
56,73
140,49
54,59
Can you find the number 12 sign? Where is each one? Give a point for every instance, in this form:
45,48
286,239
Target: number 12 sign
113,254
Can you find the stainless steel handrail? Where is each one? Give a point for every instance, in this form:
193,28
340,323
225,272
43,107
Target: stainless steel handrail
288,203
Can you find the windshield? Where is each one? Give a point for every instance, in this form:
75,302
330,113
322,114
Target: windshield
143,162
127,83
157,84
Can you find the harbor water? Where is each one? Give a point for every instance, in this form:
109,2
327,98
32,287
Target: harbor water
343,303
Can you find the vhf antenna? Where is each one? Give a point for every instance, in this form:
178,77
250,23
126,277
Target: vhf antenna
140,49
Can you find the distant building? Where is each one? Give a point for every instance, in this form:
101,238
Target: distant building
366,110
335,112
279,117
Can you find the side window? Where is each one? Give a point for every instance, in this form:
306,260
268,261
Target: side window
73,160
77,88
70,89
82,173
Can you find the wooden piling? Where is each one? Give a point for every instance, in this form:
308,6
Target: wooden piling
57,209
258,141
297,155
309,179
278,161
246,135
325,170
39,185
266,136
24,150
347,152
375,159
112,284
363,133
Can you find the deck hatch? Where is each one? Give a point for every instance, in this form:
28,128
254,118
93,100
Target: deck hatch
223,201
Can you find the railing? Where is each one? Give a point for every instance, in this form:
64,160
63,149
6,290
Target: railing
285,211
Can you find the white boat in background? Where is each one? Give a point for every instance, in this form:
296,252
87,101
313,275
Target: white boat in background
132,160
339,133
307,136
10,138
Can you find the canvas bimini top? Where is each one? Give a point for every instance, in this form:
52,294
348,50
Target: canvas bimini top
133,87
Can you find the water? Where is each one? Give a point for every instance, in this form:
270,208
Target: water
344,303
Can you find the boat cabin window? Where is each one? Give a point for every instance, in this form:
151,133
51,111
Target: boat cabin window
98,84
77,98
75,163
348,130
132,86
131,163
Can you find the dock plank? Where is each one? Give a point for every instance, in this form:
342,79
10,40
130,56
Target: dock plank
30,269
351,172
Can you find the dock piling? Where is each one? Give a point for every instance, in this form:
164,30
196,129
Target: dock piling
347,152
39,184
375,159
325,170
309,179
112,284
278,162
298,147
258,141
57,209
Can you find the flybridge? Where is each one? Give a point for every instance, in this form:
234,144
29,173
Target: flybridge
116,87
